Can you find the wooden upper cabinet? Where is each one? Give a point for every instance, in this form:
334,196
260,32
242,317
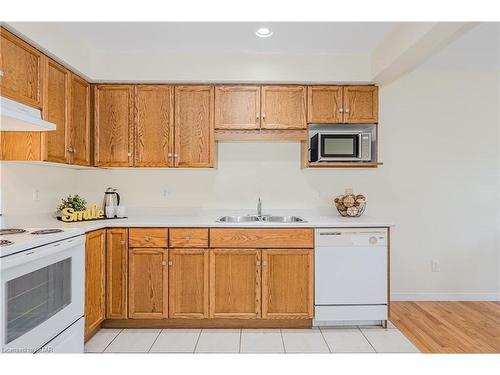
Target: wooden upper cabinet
79,122
21,70
360,104
194,126
20,146
235,283
154,126
188,283
283,107
148,284
116,273
324,104
287,284
95,263
237,107
56,110
113,116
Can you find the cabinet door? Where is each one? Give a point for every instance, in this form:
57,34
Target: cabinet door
21,69
79,129
283,107
56,110
116,273
148,284
154,126
360,104
287,284
113,125
20,146
235,283
324,104
188,279
95,262
194,126
237,107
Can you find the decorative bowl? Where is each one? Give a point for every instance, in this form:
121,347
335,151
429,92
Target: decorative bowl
350,205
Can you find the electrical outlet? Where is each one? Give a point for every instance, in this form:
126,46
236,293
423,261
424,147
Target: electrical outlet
435,265
166,192
36,195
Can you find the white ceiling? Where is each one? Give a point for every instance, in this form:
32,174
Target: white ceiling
199,37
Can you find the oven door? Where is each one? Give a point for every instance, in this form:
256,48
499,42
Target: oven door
344,147
42,293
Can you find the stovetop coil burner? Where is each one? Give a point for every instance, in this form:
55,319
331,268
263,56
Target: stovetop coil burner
5,242
4,232
47,231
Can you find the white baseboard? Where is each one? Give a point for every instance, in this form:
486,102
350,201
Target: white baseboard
445,297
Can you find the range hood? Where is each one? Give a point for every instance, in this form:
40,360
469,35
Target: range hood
19,117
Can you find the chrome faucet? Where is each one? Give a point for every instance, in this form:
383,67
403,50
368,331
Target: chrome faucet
259,207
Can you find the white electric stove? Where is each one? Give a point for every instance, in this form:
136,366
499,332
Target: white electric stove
41,290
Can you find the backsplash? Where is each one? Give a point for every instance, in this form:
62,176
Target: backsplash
246,171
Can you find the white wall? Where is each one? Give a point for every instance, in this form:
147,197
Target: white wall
21,181
439,141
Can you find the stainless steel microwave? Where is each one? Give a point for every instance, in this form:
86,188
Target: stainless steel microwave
342,145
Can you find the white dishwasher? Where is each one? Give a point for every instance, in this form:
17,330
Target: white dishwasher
351,269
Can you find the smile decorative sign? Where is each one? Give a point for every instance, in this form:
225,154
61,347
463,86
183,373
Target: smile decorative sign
69,214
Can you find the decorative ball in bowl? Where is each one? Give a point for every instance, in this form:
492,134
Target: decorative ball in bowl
350,205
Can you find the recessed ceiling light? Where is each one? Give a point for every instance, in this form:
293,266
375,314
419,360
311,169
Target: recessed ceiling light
263,32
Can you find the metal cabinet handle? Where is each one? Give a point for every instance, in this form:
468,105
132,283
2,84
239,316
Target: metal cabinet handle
1,73
176,156
170,263
188,238
264,263
147,238
169,154
70,150
341,110
263,116
129,153
258,263
122,242
347,110
257,116
163,263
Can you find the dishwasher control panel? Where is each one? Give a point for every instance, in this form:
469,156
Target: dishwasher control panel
351,237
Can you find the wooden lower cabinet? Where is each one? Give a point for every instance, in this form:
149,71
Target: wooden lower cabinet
116,273
95,263
235,283
148,283
188,283
181,285
287,284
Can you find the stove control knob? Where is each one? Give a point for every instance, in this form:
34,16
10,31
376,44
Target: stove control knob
373,240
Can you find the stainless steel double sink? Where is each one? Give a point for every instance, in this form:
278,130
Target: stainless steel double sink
260,218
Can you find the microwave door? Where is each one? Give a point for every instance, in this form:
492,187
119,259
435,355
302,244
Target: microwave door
339,147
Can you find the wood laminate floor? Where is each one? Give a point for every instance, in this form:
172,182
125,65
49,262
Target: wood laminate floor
449,327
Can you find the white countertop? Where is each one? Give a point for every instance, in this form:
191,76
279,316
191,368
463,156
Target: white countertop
193,217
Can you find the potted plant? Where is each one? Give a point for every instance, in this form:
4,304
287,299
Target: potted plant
72,201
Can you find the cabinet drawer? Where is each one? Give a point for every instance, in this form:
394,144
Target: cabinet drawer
148,237
188,237
261,238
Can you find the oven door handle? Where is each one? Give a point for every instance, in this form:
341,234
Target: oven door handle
40,252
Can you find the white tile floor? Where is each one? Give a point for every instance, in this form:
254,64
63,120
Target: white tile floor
325,340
